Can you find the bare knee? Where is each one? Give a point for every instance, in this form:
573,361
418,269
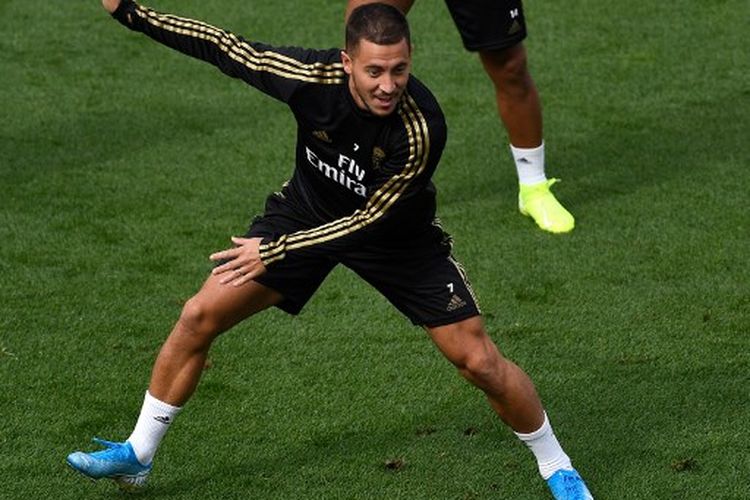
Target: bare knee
483,365
472,351
197,325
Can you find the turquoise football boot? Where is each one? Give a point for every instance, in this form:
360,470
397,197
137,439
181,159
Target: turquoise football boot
117,462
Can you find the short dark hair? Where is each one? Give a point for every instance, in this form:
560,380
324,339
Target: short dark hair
378,23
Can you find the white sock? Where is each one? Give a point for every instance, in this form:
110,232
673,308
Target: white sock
550,456
154,421
529,164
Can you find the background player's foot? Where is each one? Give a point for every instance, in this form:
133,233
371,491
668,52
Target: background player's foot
538,202
117,462
567,484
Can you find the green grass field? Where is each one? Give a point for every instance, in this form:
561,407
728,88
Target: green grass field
124,165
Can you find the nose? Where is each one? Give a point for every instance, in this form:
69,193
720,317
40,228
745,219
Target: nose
387,84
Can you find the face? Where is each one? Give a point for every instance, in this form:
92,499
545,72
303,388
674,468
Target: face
378,75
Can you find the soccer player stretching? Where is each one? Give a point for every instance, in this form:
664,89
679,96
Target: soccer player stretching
369,137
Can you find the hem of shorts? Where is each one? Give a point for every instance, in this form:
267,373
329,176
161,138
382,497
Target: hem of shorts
448,320
289,307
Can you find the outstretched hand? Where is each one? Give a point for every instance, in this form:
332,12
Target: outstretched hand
242,262
111,5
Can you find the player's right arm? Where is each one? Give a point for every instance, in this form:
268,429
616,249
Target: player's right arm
278,72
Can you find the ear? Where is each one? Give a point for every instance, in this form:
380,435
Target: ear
347,61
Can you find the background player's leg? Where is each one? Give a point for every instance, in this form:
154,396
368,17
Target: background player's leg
520,110
516,95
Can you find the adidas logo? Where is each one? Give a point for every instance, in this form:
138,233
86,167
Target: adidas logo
514,28
163,419
455,303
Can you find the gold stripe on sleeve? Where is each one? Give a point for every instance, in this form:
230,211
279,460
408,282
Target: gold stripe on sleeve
244,53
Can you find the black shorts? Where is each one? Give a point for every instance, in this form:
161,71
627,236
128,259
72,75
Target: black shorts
418,276
488,24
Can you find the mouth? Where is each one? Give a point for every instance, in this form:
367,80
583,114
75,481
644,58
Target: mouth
385,102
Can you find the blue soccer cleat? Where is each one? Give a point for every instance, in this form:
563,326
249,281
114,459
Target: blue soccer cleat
118,463
566,484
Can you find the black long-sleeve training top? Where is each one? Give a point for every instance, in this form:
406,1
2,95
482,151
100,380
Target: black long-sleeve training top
357,176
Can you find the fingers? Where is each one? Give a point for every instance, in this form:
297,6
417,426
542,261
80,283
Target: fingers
239,278
241,245
229,254
244,241
242,264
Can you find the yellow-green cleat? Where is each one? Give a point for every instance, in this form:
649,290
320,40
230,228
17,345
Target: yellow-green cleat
538,202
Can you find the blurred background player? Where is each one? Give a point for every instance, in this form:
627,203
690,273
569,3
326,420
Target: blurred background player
496,30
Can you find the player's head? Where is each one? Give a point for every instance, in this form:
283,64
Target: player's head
378,23
377,57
